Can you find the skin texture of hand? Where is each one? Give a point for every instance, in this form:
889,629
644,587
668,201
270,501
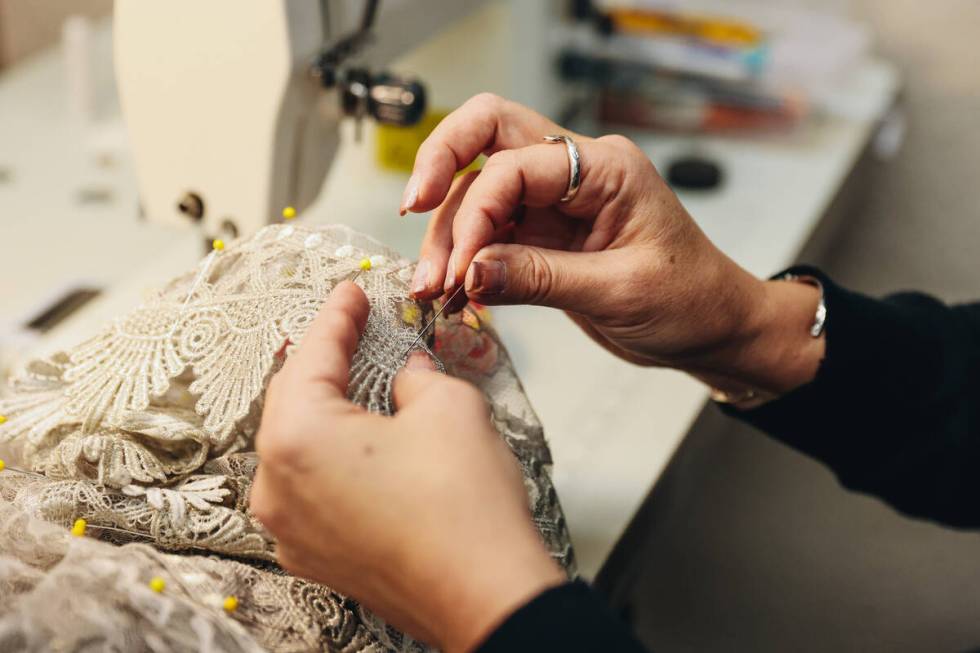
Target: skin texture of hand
623,258
422,517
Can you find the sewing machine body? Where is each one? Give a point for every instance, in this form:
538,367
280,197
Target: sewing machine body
226,122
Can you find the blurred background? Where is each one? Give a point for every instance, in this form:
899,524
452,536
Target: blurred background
840,133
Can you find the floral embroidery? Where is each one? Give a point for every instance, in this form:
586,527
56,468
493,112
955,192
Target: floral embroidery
465,347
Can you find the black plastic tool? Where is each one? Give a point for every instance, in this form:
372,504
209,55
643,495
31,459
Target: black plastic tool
694,173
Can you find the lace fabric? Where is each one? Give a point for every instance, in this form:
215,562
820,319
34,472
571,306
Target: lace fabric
59,592
146,430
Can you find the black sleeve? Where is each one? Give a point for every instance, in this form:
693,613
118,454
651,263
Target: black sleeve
570,618
894,409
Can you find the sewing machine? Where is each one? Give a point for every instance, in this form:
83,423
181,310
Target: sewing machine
232,109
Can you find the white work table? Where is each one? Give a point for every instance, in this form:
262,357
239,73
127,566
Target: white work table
612,426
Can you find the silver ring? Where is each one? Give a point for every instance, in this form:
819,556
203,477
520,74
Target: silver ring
574,165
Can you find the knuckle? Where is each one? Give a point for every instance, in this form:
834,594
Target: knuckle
289,559
489,102
278,450
539,277
618,141
264,508
624,146
501,159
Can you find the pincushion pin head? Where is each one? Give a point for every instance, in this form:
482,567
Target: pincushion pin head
157,584
78,528
218,244
362,266
230,604
288,213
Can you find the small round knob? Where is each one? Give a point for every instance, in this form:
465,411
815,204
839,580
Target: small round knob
191,205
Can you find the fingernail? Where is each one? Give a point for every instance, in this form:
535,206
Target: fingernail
488,277
450,273
420,280
419,360
411,194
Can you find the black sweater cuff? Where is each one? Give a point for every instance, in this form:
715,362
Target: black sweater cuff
571,618
884,406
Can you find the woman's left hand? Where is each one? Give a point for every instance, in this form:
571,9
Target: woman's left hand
422,517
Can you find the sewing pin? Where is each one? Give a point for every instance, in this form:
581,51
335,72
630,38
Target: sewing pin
17,470
288,213
217,245
432,321
363,266
77,530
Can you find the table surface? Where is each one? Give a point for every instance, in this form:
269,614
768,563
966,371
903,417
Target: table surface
68,216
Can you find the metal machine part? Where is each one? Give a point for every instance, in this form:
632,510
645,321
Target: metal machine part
386,98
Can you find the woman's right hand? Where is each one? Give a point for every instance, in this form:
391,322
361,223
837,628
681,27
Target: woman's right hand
623,257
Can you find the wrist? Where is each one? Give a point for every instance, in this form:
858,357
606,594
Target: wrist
775,351
477,603
769,348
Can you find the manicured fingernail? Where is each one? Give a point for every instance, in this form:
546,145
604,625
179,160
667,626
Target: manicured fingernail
419,361
420,280
450,273
487,277
411,194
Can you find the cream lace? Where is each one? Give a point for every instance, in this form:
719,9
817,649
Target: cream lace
147,428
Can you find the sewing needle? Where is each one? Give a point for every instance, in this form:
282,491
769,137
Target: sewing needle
17,470
432,321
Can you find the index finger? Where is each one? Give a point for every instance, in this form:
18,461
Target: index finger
484,124
324,355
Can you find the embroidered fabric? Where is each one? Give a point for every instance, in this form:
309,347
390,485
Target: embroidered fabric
146,431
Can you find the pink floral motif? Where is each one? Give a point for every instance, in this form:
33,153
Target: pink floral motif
464,346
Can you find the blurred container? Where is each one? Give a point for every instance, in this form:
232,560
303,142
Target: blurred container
395,147
27,26
710,65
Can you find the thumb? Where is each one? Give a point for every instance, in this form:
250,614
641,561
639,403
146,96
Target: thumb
324,355
582,282
416,377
